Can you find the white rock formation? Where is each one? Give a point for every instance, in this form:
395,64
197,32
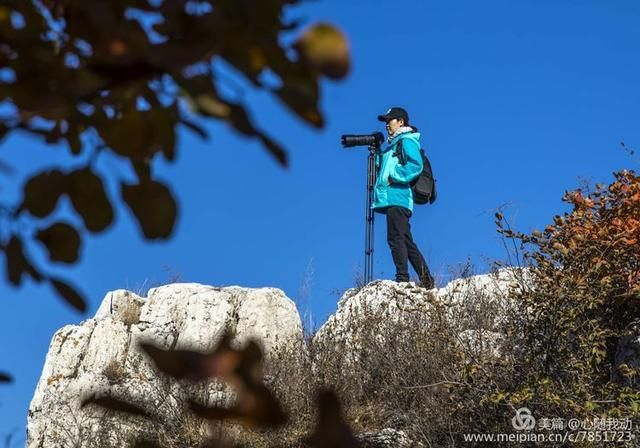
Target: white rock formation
495,285
101,355
384,302
391,302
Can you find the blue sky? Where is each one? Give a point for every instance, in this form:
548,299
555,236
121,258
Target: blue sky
517,101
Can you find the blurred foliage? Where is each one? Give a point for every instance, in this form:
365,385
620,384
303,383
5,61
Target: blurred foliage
120,77
582,305
256,407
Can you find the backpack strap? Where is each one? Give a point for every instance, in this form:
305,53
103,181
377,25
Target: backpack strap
399,151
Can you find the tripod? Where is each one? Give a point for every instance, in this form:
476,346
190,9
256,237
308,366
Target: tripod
369,214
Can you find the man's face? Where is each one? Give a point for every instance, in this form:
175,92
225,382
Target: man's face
394,124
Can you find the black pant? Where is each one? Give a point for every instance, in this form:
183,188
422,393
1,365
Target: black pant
402,247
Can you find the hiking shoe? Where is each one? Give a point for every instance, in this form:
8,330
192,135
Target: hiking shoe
427,283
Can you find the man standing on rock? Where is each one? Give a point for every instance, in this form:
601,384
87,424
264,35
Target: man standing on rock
397,166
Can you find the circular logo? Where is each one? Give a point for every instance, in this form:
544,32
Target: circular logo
523,420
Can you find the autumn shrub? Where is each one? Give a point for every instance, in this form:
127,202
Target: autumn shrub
580,311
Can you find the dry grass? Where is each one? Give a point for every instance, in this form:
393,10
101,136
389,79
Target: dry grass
114,372
130,314
426,369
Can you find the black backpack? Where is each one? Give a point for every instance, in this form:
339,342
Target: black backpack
424,186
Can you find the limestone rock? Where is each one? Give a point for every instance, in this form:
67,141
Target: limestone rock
384,300
495,286
390,302
387,438
101,356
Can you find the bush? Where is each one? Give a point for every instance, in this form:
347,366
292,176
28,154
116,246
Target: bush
581,310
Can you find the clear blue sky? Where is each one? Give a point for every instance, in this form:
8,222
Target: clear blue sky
517,102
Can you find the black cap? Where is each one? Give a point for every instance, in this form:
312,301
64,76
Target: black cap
395,112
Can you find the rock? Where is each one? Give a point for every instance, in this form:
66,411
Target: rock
387,438
101,356
384,300
389,303
494,286
481,344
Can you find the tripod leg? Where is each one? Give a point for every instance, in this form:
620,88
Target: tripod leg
369,218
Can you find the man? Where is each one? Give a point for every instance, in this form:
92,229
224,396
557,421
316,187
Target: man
397,166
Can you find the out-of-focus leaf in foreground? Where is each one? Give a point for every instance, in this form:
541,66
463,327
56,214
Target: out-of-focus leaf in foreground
119,79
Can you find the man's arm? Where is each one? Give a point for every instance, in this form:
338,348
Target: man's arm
403,174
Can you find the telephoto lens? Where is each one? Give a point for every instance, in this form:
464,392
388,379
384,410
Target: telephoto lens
374,139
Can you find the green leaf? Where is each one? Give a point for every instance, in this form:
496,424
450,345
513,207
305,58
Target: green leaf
4,130
162,123
258,411
274,149
325,49
199,130
331,428
211,106
42,192
17,263
241,121
73,138
62,242
153,206
140,134
90,200
142,169
69,294
301,98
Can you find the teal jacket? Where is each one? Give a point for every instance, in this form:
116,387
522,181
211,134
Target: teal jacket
398,192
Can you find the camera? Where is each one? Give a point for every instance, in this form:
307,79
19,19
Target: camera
374,139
